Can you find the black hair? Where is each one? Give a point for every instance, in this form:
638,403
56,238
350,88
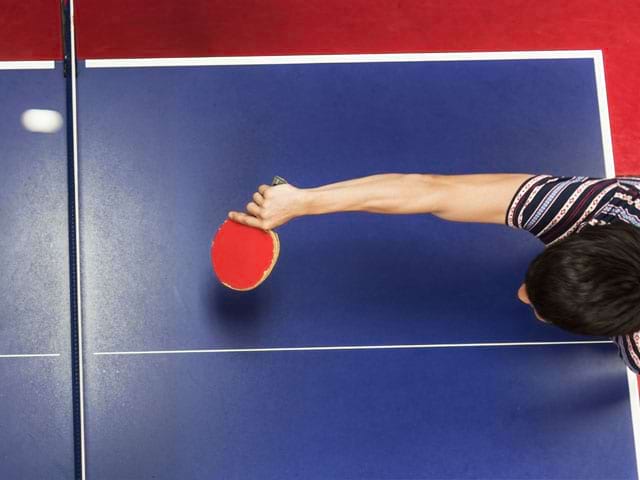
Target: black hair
589,283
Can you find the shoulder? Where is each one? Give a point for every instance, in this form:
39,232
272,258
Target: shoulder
552,207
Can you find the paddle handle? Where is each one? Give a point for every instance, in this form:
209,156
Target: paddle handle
278,181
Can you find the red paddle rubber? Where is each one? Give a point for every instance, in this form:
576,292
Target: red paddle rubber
243,257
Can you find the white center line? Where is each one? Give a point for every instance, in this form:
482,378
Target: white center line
30,355
350,347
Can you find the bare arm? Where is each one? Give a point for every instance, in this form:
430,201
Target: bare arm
462,198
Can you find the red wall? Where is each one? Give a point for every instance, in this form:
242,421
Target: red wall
30,30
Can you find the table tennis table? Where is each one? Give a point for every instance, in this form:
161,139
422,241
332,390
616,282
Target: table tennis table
381,347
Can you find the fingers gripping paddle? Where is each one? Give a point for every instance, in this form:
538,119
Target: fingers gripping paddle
243,257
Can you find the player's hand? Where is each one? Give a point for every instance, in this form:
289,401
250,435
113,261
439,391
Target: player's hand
271,207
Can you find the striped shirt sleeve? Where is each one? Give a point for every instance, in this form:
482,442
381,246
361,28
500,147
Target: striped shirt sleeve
552,208
629,349
631,182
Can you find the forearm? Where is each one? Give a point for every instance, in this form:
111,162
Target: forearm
481,198
391,193
459,198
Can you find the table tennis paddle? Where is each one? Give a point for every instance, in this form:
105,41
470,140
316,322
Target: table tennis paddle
242,257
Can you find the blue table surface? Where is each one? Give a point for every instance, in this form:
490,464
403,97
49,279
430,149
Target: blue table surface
164,153
537,412
35,393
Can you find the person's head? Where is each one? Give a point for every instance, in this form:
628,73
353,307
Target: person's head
588,283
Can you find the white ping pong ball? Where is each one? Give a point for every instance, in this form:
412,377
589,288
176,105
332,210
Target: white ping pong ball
41,121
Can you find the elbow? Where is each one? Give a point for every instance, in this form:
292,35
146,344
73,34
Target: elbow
414,193
427,179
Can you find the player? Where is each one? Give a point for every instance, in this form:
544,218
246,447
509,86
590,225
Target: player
586,281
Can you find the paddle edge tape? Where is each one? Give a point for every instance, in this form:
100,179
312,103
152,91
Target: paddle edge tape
267,272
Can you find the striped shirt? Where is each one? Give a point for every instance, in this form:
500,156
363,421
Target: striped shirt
552,208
